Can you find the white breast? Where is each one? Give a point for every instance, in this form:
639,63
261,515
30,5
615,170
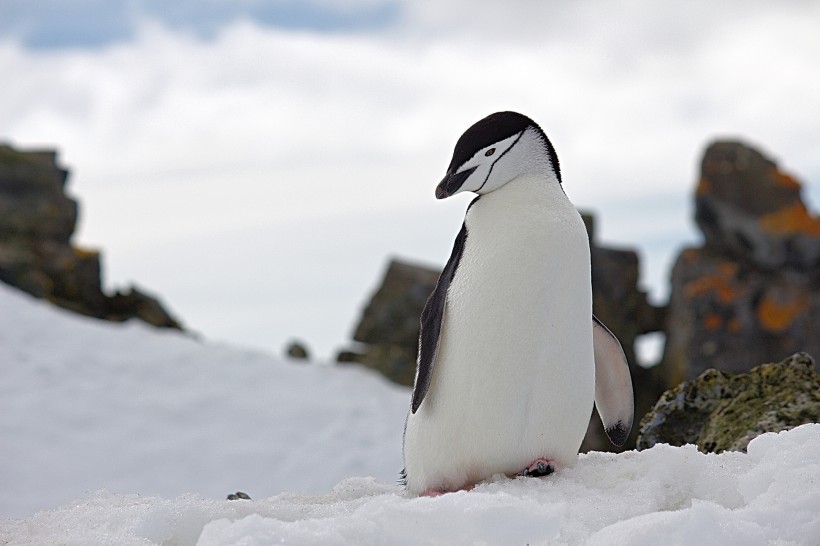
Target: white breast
514,374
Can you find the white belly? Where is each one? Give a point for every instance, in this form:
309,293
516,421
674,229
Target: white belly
514,374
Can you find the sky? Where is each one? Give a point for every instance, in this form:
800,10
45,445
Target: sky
257,163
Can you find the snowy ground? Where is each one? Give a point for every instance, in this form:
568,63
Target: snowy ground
149,431
88,405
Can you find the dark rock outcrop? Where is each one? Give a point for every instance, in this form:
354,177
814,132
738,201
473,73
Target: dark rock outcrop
389,327
623,307
37,221
616,298
719,411
752,292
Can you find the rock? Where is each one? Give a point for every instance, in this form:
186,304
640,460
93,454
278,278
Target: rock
395,362
389,326
749,209
348,357
618,301
724,315
136,303
297,350
720,411
33,205
239,495
391,317
624,308
37,221
752,292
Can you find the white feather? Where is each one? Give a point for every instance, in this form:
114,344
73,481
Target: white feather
514,374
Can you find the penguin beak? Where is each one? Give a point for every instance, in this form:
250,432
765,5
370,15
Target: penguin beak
452,183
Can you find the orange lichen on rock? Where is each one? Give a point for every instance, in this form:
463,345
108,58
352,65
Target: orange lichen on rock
776,312
720,283
704,186
690,254
790,220
713,322
785,180
728,269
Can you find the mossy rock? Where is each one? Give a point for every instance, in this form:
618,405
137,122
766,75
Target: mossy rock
396,362
718,411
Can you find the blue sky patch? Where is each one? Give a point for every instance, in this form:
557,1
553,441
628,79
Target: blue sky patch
53,24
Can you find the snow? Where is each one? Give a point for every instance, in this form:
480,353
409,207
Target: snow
137,435
87,405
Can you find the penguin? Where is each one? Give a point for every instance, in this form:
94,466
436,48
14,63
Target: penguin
511,358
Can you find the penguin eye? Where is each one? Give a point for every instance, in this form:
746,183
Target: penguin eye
489,152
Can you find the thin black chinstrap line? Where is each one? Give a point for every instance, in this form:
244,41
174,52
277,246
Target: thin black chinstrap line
499,159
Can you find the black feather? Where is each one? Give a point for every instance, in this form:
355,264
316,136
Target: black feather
493,128
431,319
618,433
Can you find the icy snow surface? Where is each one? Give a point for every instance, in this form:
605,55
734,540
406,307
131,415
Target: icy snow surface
88,405
149,430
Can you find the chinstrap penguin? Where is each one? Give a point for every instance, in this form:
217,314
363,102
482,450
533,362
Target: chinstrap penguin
510,354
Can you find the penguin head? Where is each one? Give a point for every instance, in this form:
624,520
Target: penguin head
495,150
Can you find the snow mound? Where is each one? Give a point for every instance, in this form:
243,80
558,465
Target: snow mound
88,405
664,495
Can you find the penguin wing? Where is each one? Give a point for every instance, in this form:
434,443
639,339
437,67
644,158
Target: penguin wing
431,320
613,384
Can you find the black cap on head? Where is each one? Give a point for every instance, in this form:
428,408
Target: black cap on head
493,128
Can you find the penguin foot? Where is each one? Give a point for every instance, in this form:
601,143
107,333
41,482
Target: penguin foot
432,492
539,467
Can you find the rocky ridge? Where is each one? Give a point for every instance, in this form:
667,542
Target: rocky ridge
37,222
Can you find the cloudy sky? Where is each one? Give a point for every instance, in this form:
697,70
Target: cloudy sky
257,162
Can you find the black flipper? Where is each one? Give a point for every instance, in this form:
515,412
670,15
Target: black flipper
431,320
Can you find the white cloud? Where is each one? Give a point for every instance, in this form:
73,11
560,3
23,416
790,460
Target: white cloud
316,139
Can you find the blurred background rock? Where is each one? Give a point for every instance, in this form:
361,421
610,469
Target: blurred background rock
37,221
